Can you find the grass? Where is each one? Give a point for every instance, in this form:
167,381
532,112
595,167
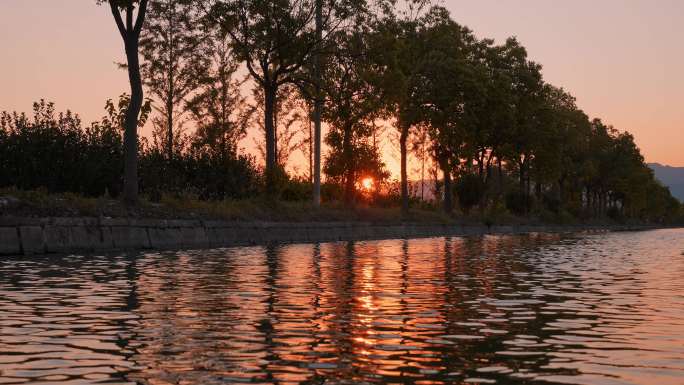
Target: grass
39,203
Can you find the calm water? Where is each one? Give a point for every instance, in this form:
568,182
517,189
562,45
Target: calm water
571,309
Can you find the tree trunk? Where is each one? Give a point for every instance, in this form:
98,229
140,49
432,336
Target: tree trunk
422,171
269,107
311,177
448,194
130,33
523,189
169,104
500,172
318,107
528,193
538,189
169,128
276,111
348,155
403,138
349,187
130,191
480,164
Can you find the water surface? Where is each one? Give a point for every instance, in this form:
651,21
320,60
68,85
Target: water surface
569,309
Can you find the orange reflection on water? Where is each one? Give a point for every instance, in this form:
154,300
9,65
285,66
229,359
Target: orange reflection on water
511,309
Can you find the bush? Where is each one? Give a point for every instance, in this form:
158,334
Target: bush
54,152
551,202
205,175
615,214
296,190
469,190
518,202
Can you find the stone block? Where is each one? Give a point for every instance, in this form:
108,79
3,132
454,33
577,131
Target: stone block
57,239
32,239
194,237
130,237
114,222
165,237
240,235
215,237
229,235
9,241
65,221
299,233
104,241
84,237
360,232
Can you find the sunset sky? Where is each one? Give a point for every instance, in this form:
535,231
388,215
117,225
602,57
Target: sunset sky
622,59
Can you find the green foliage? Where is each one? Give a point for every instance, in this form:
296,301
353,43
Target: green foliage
55,152
202,174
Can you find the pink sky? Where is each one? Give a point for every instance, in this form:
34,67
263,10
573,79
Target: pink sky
622,59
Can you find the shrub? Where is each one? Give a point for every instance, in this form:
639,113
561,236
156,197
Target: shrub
469,190
54,152
207,176
518,202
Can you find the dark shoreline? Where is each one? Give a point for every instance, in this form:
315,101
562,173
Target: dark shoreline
27,236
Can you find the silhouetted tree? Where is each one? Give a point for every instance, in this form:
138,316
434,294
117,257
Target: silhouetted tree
129,16
175,58
219,109
398,53
352,105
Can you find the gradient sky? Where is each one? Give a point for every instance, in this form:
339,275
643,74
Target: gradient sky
622,59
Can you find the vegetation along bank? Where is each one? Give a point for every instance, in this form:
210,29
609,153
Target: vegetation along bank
477,130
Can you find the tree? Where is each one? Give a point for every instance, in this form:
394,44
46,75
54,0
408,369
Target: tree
219,109
275,41
290,121
397,54
490,107
440,94
352,105
318,106
129,16
174,59
528,102
419,147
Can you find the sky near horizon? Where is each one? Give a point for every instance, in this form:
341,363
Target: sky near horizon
622,59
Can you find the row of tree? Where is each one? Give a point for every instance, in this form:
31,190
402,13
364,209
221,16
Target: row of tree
479,112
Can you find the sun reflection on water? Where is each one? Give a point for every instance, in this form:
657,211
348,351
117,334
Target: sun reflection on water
597,309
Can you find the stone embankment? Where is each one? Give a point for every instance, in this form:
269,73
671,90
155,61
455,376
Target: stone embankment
26,236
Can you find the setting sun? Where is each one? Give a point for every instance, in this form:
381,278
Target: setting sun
367,183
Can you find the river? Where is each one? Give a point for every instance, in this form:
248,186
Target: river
540,308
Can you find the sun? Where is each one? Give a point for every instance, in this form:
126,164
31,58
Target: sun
367,183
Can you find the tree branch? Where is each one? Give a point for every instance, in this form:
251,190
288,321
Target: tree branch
142,9
117,19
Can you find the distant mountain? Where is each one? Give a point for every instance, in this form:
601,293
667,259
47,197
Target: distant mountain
672,177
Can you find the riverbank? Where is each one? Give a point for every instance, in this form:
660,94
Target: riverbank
27,236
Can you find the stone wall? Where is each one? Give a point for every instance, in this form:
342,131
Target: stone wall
26,236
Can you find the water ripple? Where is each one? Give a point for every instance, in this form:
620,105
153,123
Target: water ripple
572,309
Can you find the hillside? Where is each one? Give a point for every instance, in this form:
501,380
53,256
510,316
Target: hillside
673,177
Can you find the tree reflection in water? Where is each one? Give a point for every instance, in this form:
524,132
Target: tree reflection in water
511,309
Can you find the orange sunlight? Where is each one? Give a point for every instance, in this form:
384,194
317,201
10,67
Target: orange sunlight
367,183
